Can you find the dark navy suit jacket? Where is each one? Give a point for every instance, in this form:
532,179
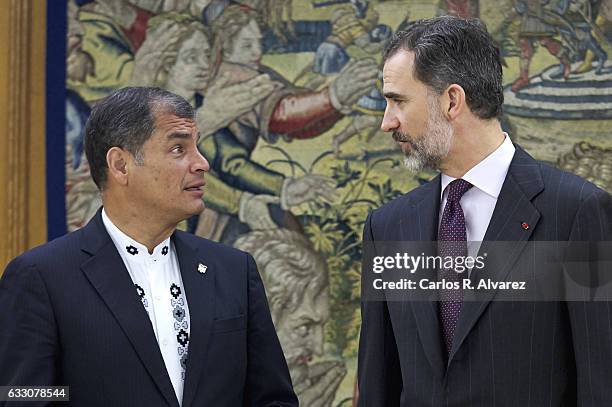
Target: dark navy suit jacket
69,315
504,353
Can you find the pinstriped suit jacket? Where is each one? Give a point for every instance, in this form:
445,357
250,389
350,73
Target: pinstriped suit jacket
514,354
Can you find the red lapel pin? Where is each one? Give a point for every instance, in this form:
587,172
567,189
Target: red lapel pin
525,225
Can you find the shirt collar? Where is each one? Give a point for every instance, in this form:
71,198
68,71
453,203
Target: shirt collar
131,249
489,174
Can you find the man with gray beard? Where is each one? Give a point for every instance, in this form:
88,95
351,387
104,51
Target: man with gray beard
442,79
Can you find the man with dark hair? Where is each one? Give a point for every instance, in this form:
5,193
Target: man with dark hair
129,311
443,85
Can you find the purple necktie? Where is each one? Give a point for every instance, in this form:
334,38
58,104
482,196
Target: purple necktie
452,242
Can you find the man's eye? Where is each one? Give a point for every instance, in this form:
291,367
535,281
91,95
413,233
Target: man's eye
303,329
177,149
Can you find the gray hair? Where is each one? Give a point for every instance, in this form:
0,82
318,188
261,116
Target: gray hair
126,119
451,50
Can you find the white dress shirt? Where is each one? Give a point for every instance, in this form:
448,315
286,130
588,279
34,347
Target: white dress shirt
157,280
478,203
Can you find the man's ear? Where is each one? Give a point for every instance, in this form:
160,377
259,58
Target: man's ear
117,160
453,102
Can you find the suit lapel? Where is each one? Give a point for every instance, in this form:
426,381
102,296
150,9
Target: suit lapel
199,288
426,210
513,207
107,274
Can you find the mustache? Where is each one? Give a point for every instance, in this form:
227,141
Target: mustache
398,136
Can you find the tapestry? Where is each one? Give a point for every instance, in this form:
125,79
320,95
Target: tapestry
289,104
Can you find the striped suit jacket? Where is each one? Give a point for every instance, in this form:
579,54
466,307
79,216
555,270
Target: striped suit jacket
504,353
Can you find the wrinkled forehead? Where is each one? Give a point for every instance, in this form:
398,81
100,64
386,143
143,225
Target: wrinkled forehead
168,123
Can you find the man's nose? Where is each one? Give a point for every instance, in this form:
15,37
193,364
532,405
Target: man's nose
389,121
318,341
201,163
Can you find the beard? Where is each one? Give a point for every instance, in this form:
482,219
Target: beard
428,150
